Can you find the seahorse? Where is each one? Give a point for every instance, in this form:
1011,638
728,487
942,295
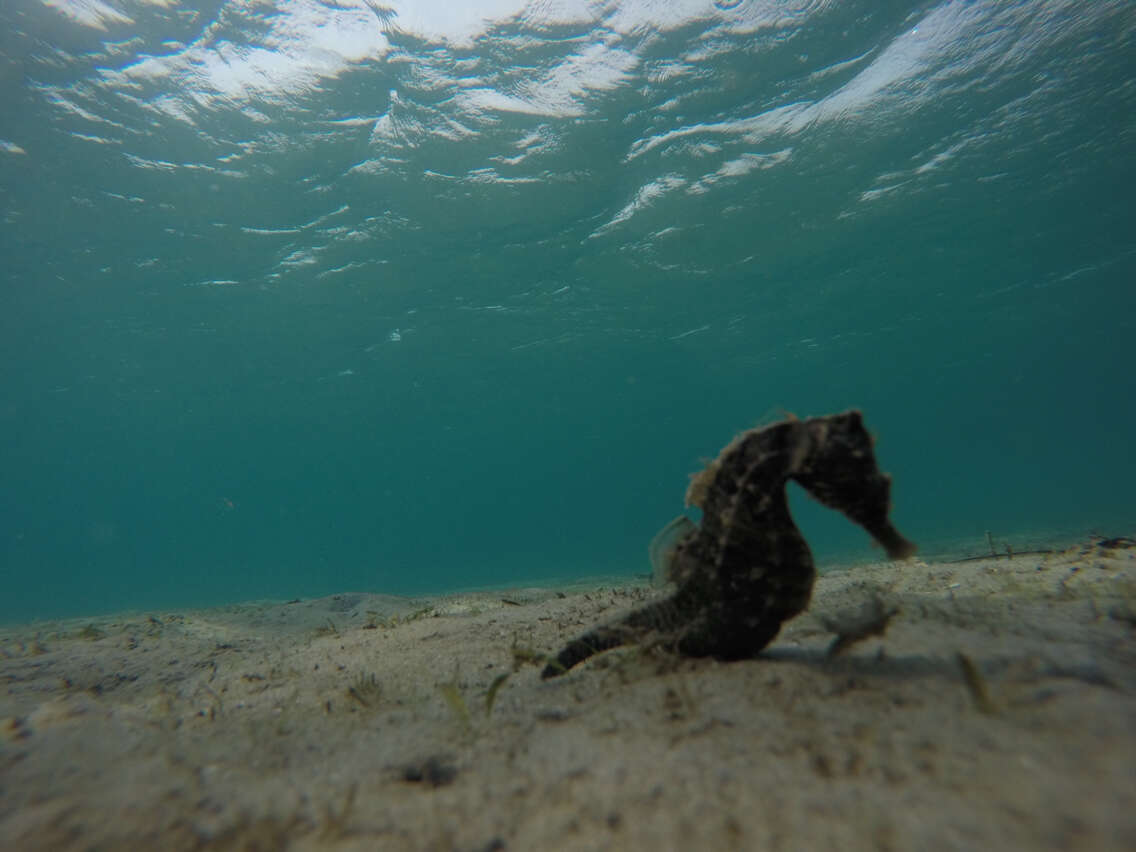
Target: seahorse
745,569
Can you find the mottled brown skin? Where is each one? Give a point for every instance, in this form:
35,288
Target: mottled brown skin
746,568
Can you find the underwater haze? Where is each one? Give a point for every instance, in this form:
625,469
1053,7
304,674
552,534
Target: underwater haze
305,297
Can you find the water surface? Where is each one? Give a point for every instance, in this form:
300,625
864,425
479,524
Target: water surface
306,297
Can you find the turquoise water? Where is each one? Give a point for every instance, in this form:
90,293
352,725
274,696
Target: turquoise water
299,298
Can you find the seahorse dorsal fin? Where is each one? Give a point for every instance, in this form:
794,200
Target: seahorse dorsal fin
662,547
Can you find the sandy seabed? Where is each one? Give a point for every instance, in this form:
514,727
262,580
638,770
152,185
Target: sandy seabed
998,711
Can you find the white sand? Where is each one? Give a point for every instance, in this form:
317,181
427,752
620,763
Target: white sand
237,729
